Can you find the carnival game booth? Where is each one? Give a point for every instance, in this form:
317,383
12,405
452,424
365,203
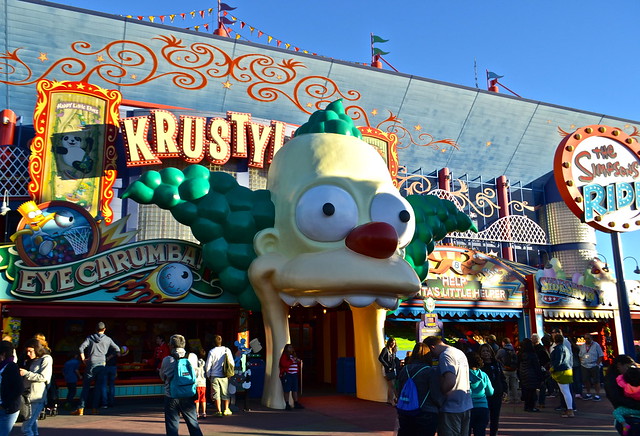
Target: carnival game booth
467,296
61,286
578,310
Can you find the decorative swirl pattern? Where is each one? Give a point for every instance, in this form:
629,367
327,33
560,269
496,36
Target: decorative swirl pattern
193,67
420,184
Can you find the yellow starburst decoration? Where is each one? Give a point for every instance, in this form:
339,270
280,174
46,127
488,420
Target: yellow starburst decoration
226,84
374,112
99,58
418,127
43,57
134,77
80,85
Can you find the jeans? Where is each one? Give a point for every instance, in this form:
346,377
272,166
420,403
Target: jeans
6,421
95,373
495,404
109,389
72,388
576,387
424,424
529,397
454,424
30,426
512,383
172,409
479,421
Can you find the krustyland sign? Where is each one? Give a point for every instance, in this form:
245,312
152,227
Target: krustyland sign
193,138
597,171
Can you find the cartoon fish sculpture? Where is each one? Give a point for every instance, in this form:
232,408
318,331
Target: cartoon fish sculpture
330,227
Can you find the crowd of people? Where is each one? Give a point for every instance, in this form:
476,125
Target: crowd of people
461,388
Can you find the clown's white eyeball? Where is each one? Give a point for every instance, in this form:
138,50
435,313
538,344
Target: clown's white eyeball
395,210
326,213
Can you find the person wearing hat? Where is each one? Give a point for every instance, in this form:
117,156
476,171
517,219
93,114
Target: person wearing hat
97,346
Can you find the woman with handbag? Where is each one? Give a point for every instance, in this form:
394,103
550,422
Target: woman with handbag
11,387
36,380
388,359
562,372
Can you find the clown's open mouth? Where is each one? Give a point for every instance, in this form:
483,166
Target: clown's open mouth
355,300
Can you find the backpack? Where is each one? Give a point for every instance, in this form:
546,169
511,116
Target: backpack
183,383
228,366
510,360
408,399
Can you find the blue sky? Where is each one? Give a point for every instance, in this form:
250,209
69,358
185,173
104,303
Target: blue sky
575,53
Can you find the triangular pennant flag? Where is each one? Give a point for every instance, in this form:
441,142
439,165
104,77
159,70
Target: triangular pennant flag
197,28
225,13
225,7
183,15
140,17
492,75
260,33
171,17
225,20
296,48
304,51
202,14
287,45
377,51
242,24
151,18
210,11
237,36
129,16
269,39
206,26
378,39
192,13
278,42
252,29
161,18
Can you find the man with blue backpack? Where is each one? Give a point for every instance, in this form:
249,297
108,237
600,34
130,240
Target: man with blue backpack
177,371
420,396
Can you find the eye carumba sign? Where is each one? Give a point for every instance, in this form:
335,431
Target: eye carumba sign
597,171
160,135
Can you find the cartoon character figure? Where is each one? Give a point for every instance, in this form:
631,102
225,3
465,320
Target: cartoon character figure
331,227
36,220
74,148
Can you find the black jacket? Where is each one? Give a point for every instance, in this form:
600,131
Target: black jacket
11,388
388,360
495,372
529,370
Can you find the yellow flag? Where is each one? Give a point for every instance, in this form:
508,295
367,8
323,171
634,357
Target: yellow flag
269,38
151,18
237,36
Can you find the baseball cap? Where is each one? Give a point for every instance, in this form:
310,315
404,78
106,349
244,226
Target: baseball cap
101,326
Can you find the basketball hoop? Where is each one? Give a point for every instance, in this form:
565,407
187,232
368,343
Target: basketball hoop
78,238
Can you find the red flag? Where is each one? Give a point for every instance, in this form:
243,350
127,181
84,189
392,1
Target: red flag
242,24
140,17
278,42
260,33
296,48
202,14
183,15
225,13
161,18
206,26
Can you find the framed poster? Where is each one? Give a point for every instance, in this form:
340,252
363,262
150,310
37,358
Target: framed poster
73,154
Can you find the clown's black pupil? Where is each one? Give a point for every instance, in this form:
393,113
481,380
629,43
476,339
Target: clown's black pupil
328,209
404,216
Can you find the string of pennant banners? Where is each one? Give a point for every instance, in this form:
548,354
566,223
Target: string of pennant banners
227,20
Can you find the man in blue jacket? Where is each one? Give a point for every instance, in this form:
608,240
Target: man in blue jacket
97,346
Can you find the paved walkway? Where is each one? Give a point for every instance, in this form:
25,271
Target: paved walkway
339,415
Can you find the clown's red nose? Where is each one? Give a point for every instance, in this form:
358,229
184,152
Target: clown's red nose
376,239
